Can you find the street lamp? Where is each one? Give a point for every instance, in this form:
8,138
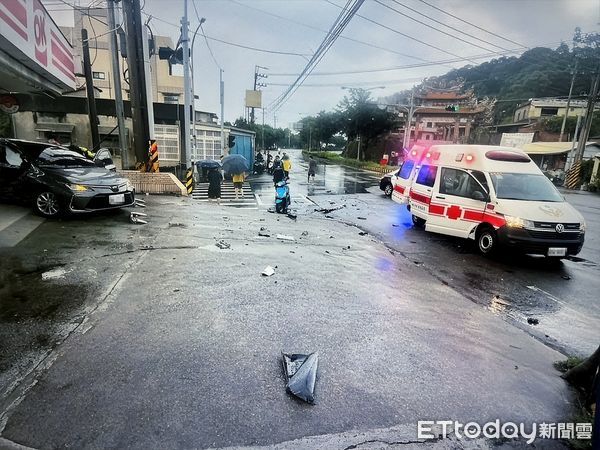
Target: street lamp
194,97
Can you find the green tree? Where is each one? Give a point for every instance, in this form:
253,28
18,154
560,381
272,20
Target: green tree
361,117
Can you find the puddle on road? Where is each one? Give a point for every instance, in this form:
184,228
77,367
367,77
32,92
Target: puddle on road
40,292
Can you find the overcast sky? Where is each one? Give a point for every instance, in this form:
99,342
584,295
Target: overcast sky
254,23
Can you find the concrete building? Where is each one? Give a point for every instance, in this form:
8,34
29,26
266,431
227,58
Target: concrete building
166,87
433,123
540,108
66,118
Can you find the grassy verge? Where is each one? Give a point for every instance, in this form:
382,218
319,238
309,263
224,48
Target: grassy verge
581,413
334,157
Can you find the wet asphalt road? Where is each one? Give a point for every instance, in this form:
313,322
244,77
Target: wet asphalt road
563,296
114,335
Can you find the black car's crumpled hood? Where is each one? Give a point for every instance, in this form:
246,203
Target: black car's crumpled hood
96,176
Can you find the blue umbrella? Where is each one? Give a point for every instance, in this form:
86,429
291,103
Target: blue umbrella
235,164
208,164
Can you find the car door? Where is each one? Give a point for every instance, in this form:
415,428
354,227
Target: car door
458,203
401,181
11,172
422,189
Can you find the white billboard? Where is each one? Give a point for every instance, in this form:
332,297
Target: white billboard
253,99
516,139
29,35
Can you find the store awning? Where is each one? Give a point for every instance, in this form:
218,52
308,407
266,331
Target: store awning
549,148
55,127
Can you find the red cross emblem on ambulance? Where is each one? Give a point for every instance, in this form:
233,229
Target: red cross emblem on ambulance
454,212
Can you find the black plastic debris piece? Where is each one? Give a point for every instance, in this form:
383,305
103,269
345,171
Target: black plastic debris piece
362,218
223,245
362,233
566,277
532,321
300,374
292,216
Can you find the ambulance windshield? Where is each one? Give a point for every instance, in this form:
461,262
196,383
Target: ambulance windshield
525,186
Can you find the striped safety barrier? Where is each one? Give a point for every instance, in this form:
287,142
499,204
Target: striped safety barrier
189,180
153,165
573,176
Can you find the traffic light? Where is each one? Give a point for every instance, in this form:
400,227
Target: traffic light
452,108
231,141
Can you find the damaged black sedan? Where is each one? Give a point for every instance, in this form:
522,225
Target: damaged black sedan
55,180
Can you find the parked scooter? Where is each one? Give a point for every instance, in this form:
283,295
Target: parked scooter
282,197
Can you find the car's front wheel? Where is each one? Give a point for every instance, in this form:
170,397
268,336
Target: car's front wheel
388,190
47,204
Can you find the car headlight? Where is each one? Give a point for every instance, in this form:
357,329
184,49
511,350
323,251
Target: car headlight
78,187
582,226
518,222
129,186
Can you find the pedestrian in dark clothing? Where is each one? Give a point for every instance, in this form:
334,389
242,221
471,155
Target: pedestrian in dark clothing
312,168
278,175
215,178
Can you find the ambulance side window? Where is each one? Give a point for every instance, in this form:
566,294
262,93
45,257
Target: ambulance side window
463,184
427,175
480,176
406,169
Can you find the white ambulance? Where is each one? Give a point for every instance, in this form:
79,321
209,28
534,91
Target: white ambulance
404,177
495,195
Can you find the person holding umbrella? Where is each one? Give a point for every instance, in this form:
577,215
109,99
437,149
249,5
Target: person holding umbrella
215,178
237,166
238,184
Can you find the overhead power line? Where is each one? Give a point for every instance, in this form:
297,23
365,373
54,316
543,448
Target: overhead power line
325,31
412,38
470,23
234,44
462,32
432,27
347,13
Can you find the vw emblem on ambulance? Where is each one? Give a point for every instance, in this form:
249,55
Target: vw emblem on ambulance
554,212
560,228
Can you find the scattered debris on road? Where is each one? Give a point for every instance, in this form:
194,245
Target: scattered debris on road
54,274
177,224
304,233
140,203
223,245
268,271
263,233
362,218
301,374
328,210
292,216
134,217
362,233
285,237
532,321
566,277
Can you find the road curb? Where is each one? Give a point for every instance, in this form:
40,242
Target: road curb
6,444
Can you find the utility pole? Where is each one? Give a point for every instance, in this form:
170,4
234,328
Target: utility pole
185,40
589,117
116,73
89,84
408,124
222,96
562,128
309,138
257,85
263,128
571,155
137,81
358,149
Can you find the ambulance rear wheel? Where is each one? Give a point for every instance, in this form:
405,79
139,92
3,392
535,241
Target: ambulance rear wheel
487,240
418,222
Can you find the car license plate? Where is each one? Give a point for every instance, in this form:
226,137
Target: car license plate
117,199
557,251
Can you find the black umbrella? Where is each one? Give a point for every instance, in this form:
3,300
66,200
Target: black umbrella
235,164
208,164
